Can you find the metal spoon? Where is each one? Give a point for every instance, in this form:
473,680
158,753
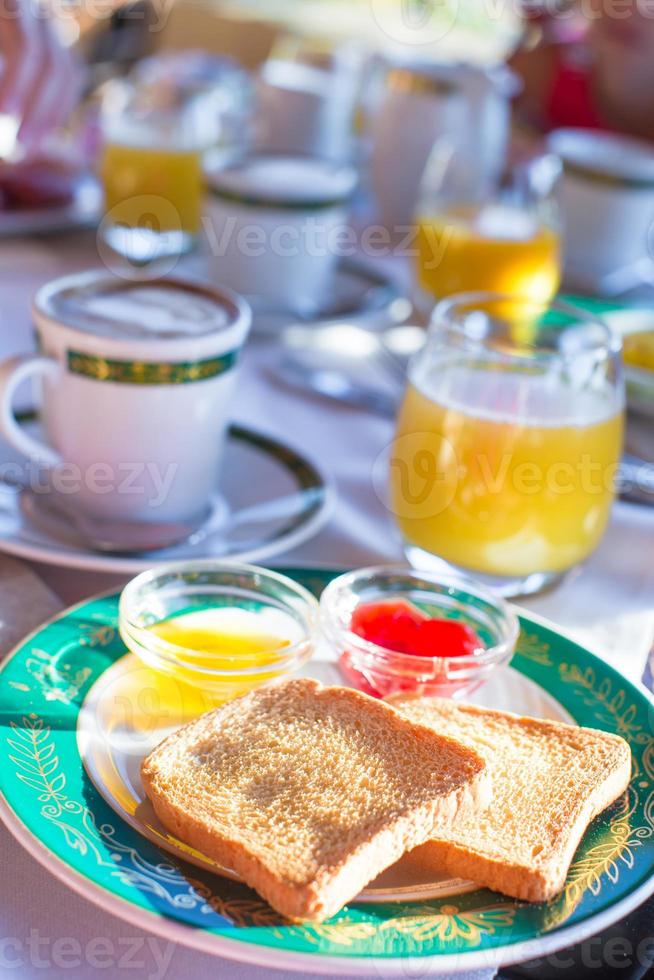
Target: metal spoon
335,385
59,517
636,481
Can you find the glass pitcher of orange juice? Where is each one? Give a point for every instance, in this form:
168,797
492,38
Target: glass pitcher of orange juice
506,451
471,236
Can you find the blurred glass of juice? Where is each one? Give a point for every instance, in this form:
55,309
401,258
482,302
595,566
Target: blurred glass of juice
499,247
506,454
151,169
131,174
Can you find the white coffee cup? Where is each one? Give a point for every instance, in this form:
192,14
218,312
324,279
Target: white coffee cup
137,384
272,224
606,198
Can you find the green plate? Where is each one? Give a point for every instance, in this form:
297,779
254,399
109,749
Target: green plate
53,809
624,319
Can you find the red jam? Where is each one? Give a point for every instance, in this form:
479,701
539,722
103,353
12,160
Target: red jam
400,627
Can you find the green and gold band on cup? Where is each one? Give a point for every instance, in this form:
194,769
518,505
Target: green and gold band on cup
148,372
277,204
414,82
619,181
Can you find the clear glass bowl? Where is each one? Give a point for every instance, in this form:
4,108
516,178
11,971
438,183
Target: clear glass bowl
382,672
169,590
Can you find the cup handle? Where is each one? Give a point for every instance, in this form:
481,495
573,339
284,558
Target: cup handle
13,372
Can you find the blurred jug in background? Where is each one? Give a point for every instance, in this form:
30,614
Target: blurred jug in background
468,108
308,105
157,127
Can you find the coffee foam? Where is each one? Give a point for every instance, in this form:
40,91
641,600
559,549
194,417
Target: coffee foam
140,311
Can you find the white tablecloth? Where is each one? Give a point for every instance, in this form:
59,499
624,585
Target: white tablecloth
610,606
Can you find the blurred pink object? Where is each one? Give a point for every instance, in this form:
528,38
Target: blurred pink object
39,79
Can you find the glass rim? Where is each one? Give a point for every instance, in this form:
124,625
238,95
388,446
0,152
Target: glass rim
443,316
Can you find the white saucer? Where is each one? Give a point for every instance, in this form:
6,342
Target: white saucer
635,277
82,212
113,741
270,500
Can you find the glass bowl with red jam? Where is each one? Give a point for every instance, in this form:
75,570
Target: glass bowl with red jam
397,630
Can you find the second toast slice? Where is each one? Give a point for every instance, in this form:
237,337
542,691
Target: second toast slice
549,781
309,792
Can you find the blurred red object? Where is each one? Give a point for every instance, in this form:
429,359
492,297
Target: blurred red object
38,183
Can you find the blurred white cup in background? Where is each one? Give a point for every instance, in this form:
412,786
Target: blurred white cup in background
465,108
271,223
606,197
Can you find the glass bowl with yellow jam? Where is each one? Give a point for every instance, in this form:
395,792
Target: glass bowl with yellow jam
220,627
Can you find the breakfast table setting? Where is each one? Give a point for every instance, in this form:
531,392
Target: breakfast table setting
607,607
300,433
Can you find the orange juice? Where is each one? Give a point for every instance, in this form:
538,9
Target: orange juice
492,247
503,474
153,187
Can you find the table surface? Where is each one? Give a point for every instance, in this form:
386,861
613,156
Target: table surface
609,606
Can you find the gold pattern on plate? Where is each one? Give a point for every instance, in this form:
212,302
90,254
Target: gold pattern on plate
59,682
605,858
450,923
531,647
239,911
618,849
37,766
96,636
616,704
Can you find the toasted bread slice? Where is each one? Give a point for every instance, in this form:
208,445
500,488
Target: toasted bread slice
549,781
309,792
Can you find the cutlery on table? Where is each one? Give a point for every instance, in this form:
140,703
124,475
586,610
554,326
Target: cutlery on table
636,480
335,385
59,516
56,514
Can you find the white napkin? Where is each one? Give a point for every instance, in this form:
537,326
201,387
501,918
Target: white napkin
609,606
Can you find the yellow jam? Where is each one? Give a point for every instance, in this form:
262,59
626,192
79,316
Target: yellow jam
219,635
208,656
